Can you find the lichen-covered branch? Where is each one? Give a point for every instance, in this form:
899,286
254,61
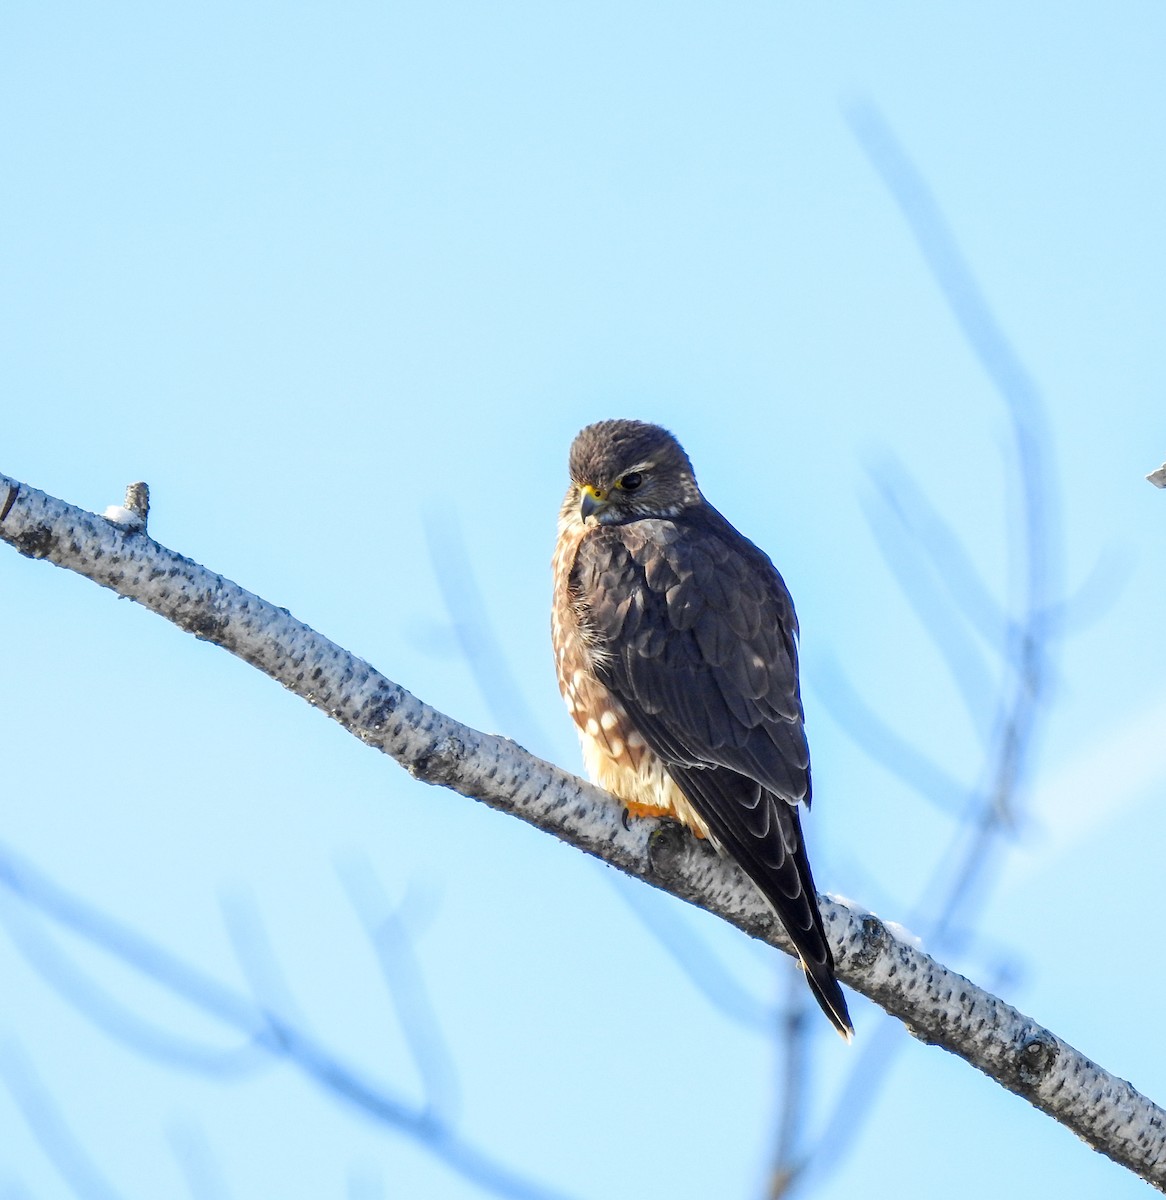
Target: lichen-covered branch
937,1005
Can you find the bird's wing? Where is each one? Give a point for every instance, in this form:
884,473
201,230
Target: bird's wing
763,835
692,627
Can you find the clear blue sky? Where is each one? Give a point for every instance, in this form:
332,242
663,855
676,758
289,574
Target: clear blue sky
332,276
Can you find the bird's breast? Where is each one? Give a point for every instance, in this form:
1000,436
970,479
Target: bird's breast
615,754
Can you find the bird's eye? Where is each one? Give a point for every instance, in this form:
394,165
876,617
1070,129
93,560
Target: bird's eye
631,481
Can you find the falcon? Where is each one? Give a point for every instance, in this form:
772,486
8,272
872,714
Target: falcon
676,649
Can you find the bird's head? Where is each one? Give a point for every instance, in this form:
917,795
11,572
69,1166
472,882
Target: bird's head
625,471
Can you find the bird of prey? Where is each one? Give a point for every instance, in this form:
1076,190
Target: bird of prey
676,648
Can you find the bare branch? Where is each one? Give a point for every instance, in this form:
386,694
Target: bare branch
386,929
788,1161
113,1017
50,1129
203,1175
256,956
879,741
937,1005
702,966
1022,632
469,615
940,548
277,1036
919,579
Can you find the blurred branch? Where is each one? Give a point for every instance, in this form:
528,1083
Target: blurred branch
788,1161
469,616
937,1005
385,929
703,967
204,1178
278,1037
919,578
879,740
1022,642
1097,592
50,1129
112,1017
939,549
256,957
853,1104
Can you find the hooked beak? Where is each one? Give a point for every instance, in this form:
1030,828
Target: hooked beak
591,501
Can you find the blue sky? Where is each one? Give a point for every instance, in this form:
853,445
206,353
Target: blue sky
338,279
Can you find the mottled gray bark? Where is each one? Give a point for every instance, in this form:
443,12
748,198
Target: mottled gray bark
936,1005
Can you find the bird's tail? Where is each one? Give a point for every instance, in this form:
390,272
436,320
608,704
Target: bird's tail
774,857
819,966
829,996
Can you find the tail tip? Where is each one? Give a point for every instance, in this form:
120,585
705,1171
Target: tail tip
832,1002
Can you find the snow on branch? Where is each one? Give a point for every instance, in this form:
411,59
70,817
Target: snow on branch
937,1005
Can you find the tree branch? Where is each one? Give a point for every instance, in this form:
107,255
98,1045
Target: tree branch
48,1126
267,1030
937,1005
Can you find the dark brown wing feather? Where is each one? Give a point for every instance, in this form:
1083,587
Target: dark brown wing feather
693,629
694,625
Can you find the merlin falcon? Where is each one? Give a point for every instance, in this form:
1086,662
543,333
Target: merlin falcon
676,648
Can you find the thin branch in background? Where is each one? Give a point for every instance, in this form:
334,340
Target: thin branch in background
705,970
1023,641
135,1032
795,1045
964,297
277,1036
1034,631
201,1171
695,957
855,1104
256,957
496,684
939,549
1097,593
390,937
44,1120
879,741
1042,553
918,577
469,615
